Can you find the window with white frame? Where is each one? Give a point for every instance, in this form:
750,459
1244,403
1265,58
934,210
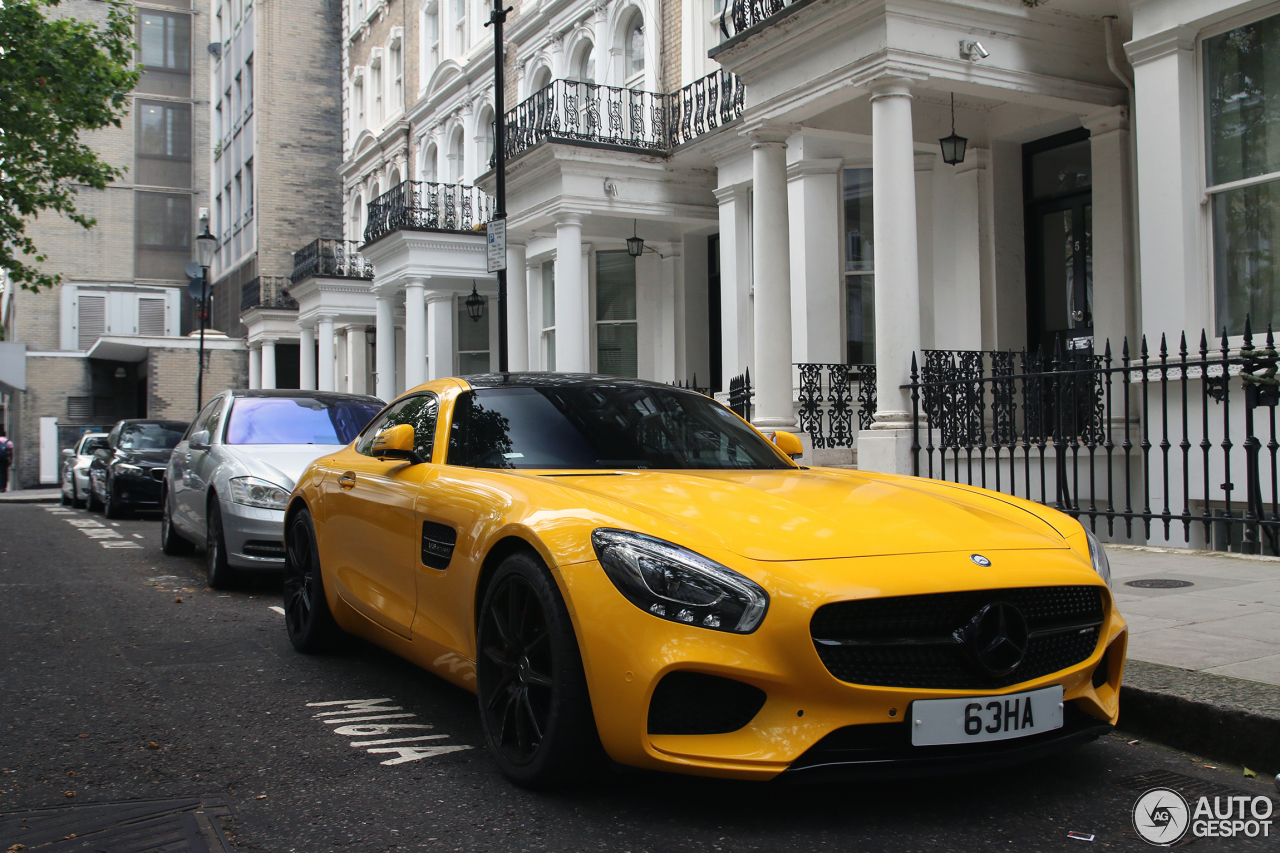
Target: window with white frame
549,315
1242,141
633,47
616,339
248,192
357,220
460,26
357,103
430,40
584,65
248,86
396,54
428,172
376,115
457,157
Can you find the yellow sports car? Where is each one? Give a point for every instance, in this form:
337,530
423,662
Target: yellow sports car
624,569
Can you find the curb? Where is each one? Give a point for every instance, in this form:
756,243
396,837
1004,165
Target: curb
1227,719
19,498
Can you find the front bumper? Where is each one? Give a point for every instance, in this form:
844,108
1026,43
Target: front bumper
254,536
139,490
627,652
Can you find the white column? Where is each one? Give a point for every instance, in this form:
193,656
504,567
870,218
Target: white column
324,335
771,255
533,334
897,285
357,361
341,376
268,363
307,358
1115,312
440,334
517,309
385,354
415,334
255,366
814,198
736,332
573,339
924,225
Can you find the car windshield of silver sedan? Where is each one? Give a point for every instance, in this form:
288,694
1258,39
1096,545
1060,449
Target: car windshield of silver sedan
151,436
297,420
601,426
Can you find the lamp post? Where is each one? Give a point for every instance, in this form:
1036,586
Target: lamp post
206,243
498,17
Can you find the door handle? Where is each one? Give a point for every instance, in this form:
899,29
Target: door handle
347,481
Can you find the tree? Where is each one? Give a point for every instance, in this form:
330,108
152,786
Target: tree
58,77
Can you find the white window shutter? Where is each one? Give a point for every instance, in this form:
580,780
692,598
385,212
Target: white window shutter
151,317
92,322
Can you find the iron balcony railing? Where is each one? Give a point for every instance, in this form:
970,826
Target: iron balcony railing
741,15
829,403
266,291
423,206
590,113
330,259
1182,440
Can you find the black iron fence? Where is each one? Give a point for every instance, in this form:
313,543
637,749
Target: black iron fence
423,206
836,400
572,111
266,291
330,259
692,386
741,15
1169,440
740,395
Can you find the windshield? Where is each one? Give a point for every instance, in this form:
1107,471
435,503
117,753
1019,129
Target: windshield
297,420
151,436
602,426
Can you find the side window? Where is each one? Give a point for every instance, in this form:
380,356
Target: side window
204,418
114,438
210,420
418,412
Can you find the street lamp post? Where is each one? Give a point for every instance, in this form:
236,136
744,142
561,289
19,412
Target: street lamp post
498,17
205,245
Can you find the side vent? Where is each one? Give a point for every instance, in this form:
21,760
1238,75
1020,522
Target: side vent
438,541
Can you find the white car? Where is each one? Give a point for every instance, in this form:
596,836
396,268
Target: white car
75,468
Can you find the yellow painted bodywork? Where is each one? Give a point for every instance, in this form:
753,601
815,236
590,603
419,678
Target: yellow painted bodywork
808,536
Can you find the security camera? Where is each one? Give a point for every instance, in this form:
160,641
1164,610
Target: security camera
973,50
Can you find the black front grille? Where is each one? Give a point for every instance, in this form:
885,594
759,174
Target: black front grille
693,703
157,474
913,640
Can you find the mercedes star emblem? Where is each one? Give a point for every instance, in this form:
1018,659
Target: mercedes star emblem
980,560
996,638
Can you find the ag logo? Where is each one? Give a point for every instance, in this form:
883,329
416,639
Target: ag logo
980,560
1161,817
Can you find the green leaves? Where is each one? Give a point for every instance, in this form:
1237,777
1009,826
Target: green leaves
58,77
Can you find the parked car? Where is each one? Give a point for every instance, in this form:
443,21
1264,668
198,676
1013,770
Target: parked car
231,474
627,570
126,474
75,468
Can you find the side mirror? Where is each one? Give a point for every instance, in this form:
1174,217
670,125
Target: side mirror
68,453
397,443
199,440
789,444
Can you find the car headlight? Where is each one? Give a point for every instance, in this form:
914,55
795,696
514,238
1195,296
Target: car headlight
678,585
1098,555
125,468
251,491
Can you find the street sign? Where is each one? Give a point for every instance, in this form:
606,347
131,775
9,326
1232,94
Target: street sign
497,245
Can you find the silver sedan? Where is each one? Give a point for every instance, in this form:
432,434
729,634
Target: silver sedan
230,477
75,469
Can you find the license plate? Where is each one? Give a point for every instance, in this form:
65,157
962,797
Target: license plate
985,718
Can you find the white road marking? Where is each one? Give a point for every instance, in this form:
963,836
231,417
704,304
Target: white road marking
105,536
277,609
403,754
138,536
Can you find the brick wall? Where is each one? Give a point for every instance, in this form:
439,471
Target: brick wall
670,12
57,378
171,386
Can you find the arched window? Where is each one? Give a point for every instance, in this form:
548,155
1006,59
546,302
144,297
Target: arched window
541,79
357,218
484,137
457,159
428,171
584,64
633,46
374,191
395,178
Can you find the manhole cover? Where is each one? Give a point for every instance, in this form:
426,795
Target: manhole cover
182,825
1159,583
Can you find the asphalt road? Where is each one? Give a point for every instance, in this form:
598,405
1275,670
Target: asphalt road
111,690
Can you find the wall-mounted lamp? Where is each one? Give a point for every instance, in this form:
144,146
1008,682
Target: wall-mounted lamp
475,304
635,245
953,146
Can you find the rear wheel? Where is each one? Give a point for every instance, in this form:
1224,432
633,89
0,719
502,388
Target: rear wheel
217,569
534,704
307,617
171,542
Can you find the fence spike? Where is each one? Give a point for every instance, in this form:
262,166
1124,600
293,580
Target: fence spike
1204,344
1248,333
1124,351
1164,350
1226,346
1182,347
1271,341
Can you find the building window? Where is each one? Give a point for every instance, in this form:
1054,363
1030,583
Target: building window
375,84
460,25
164,42
633,51
248,86
162,146
616,341
1242,129
248,192
397,76
237,96
357,102
549,315
151,316
162,235
473,340
428,172
430,40
859,269
228,116
457,158
237,201
91,320
584,69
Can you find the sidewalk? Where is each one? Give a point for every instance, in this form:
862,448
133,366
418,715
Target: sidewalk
31,496
1203,672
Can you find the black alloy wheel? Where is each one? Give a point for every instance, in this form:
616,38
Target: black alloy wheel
307,618
114,507
171,541
91,500
218,571
534,704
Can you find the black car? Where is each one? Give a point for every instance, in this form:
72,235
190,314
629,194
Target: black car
128,473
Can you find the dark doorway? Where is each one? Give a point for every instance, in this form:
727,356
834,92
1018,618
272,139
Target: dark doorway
714,339
287,365
1057,180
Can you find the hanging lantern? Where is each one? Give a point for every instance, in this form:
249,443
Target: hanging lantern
953,146
635,245
475,304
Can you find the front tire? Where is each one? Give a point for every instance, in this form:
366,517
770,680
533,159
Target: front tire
534,705
218,571
76,501
91,500
307,618
114,508
172,542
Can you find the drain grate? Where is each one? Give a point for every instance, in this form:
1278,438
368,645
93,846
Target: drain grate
1159,583
182,825
1189,787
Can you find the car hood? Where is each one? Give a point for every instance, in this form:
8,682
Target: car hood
281,464
822,514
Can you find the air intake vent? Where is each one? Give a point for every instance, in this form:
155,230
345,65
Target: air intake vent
693,703
438,541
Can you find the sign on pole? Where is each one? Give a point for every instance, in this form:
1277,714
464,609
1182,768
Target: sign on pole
497,245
